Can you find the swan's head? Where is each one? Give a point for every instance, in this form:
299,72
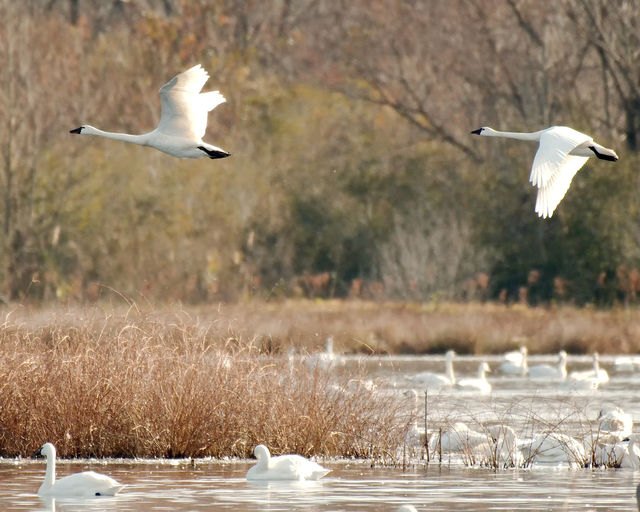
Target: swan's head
47,450
261,452
450,354
85,130
484,367
485,130
562,355
524,351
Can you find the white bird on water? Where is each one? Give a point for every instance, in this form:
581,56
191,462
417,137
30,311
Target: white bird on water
561,154
183,119
283,467
546,371
596,374
432,380
479,384
85,484
515,363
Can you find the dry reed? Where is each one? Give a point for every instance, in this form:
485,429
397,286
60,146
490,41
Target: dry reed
134,384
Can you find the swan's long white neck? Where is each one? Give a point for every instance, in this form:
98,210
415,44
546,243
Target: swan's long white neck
449,369
50,474
532,136
124,137
263,457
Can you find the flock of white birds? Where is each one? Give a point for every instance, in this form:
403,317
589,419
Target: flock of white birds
516,364
612,445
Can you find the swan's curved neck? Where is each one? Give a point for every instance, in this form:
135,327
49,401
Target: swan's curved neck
534,136
124,137
50,474
450,375
263,463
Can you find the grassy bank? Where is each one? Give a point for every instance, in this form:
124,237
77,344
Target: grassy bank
214,381
366,327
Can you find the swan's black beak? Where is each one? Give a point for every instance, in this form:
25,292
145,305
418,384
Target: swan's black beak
38,453
477,132
77,130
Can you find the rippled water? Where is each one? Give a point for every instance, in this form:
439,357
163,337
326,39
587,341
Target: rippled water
216,485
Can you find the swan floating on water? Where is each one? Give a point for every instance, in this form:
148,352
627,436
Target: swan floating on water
623,454
183,119
561,153
503,451
85,484
457,438
283,467
615,422
546,371
437,380
515,363
596,374
479,384
325,360
553,448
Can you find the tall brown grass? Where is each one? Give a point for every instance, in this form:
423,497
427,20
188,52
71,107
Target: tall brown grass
135,384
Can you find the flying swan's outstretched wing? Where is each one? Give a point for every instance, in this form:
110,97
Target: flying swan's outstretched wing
184,108
554,168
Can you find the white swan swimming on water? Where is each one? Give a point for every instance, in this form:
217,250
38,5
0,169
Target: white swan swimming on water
438,380
561,154
85,484
553,448
615,422
457,438
283,467
326,359
183,119
596,374
547,371
478,384
623,454
515,363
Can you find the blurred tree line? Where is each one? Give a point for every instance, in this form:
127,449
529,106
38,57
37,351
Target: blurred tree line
353,172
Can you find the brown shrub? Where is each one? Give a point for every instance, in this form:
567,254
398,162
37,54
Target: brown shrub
147,385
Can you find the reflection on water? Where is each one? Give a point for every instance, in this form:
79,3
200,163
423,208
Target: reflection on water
218,485
350,486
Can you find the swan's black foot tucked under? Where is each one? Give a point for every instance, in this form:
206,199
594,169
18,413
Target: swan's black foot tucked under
213,153
77,130
604,156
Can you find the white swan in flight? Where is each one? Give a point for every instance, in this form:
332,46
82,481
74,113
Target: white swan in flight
85,484
183,119
561,154
283,467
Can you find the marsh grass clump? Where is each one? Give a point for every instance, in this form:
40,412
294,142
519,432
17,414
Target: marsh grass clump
137,385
